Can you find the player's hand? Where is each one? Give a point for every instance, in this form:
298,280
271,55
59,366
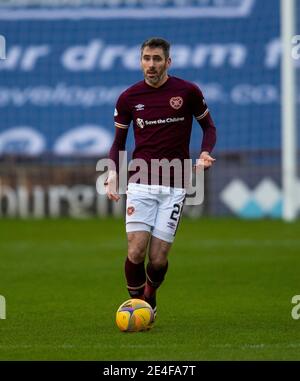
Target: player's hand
205,160
111,186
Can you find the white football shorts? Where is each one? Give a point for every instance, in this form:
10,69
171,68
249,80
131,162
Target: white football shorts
154,208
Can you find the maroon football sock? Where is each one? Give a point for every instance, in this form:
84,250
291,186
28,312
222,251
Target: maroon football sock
155,277
136,278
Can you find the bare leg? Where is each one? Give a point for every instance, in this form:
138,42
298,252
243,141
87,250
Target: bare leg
158,252
137,245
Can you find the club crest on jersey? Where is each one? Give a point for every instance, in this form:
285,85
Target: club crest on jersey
140,122
130,210
176,102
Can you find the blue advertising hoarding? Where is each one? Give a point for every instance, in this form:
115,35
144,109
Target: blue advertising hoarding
65,68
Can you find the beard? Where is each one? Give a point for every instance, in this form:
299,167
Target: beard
156,77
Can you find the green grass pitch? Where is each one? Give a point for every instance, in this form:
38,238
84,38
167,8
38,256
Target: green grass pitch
227,294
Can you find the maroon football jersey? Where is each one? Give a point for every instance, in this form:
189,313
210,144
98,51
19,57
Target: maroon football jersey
162,117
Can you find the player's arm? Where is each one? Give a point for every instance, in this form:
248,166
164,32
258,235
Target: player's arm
111,183
203,117
122,118
208,141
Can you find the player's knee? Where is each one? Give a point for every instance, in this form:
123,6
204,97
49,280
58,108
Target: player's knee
136,250
159,261
136,254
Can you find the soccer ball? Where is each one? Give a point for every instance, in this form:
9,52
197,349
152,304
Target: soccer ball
134,315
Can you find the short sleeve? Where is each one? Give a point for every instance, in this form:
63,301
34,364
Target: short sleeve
122,114
199,106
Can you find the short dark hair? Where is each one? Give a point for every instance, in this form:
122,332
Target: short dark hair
157,42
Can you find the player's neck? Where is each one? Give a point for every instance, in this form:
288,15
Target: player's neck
160,83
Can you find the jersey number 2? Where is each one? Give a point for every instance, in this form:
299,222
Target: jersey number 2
176,211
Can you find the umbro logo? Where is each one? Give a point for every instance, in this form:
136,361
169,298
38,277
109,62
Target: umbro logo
139,107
